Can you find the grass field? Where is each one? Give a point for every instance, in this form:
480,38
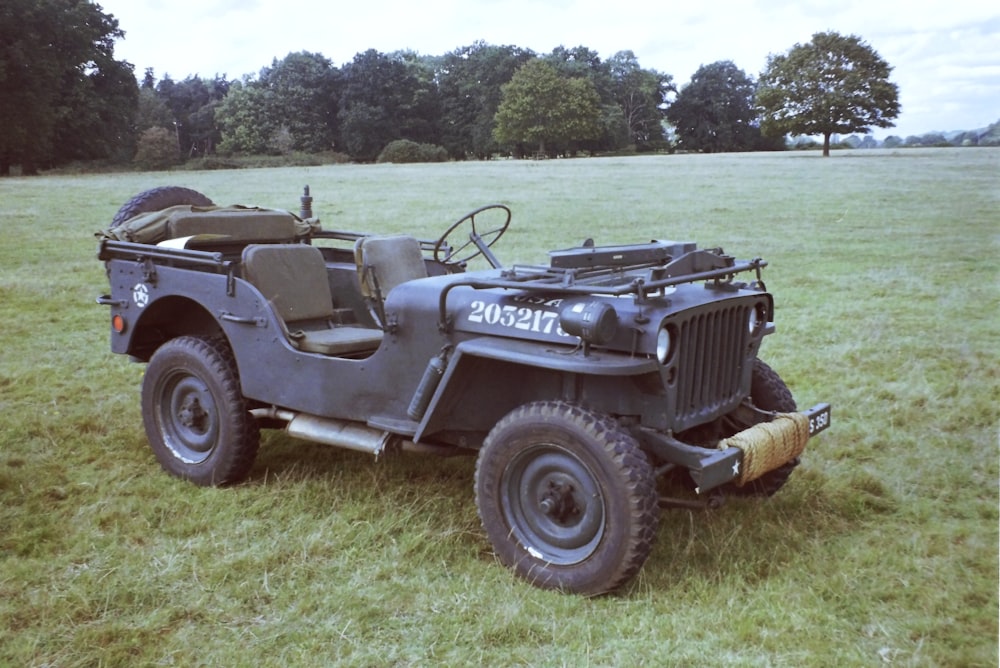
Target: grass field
882,550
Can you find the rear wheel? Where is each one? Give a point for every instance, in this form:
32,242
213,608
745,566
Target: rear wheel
158,199
195,416
566,497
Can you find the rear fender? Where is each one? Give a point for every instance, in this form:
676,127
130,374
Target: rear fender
156,303
163,320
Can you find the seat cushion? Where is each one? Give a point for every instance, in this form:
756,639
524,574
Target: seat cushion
238,223
338,340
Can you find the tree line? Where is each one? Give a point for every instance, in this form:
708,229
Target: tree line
64,97
456,101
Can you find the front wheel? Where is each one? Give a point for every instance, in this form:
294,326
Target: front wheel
566,497
195,416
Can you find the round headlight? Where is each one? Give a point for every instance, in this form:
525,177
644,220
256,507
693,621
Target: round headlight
756,319
663,345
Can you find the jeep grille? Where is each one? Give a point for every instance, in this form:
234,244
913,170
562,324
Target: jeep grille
712,349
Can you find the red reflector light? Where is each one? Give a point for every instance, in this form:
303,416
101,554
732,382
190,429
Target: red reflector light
118,323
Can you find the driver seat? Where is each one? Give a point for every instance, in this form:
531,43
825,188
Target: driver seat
385,261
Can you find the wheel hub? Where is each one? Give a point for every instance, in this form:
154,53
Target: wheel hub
555,506
191,414
558,502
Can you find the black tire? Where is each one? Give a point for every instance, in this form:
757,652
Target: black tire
770,393
195,416
567,498
158,199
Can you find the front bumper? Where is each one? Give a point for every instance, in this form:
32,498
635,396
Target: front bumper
745,456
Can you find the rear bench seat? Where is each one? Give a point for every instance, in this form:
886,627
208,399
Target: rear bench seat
220,228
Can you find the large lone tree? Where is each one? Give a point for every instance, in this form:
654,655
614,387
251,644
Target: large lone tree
832,84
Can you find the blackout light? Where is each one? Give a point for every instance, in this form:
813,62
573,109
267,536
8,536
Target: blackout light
593,321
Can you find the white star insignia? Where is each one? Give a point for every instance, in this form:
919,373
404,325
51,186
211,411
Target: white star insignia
736,468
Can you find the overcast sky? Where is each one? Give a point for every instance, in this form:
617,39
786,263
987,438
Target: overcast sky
946,55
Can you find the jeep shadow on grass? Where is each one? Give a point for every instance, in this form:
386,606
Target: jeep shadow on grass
577,385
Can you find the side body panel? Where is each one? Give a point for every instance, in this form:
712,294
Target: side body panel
501,348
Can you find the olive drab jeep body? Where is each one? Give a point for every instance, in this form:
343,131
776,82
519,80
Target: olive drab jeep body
583,386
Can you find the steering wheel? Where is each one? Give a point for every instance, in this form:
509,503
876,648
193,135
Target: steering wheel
478,243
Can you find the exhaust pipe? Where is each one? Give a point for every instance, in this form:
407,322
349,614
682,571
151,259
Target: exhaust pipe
329,431
351,435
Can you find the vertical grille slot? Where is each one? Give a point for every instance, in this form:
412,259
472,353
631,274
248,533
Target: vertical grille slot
709,367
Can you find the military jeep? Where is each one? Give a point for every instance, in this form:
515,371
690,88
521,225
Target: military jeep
585,387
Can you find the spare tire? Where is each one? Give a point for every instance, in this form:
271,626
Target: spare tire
158,199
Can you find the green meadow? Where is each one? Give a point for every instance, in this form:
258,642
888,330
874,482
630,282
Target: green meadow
881,550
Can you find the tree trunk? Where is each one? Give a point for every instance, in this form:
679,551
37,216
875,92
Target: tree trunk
826,144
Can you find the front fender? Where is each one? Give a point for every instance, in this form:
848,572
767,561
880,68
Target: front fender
513,372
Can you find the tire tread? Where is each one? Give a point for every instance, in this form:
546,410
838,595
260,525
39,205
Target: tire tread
236,460
629,460
157,199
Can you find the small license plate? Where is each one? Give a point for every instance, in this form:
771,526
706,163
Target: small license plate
819,418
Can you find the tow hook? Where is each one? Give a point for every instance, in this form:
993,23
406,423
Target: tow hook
713,499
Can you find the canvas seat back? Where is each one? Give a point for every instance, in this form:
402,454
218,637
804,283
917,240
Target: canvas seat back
385,261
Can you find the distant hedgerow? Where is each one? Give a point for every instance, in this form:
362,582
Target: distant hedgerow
405,150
